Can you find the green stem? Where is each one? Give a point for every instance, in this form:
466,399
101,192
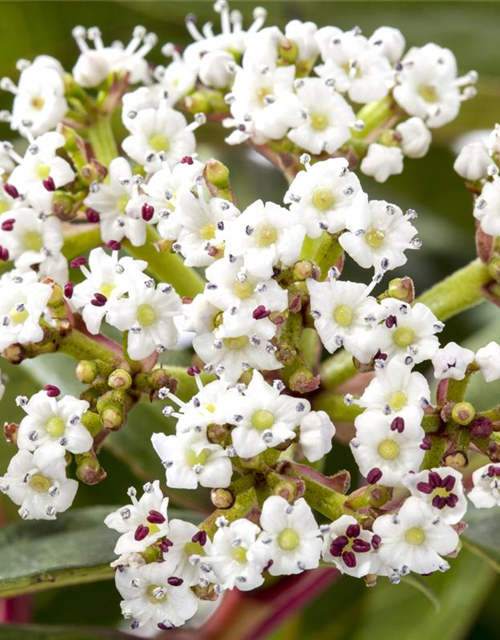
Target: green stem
328,253
246,497
375,114
82,242
167,267
323,499
460,291
80,347
103,142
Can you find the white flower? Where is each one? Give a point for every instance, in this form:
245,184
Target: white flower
204,408
488,360
108,276
111,201
148,315
325,196
349,547
141,523
22,302
94,65
343,313
202,226
327,117
473,161
381,162
38,483
229,285
410,330
389,41
395,389
290,537
415,137
356,65
162,130
487,207
42,171
442,489
153,598
191,459
315,435
262,417
264,235
452,361
231,556
428,87
39,102
486,491
415,539
54,423
379,233
387,446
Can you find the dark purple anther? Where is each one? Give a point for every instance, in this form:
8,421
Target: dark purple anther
193,371
448,483
268,566
426,444
147,212
187,160
374,475
4,254
380,356
52,390
200,537
92,215
8,225
260,312
175,582
398,424
155,517
99,300
114,245
349,558
493,471
353,531
78,262
439,502
376,540
425,487
361,546
141,532
337,546
391,321
11,190
452,500
49,184
165,545
68,289
434,479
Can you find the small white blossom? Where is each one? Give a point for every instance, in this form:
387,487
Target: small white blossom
488,360
415,137
389,41
487,207
452,361
485,493
381,162
442,489
350,547
473,161
316,435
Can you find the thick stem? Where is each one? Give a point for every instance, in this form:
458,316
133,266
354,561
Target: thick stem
244,491
82,242
167,267
328,253
460,291
103,142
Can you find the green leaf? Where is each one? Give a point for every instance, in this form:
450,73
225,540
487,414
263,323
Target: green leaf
420,585
22,632
482,536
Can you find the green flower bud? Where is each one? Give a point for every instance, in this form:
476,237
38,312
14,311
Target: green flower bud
120,379
288,51
217,173
402,289
463,413
88,469
87,371
222,498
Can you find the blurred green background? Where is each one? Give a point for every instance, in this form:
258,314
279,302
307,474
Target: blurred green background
348,610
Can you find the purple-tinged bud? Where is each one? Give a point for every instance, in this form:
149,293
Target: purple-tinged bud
52,390
374,475
78,262
141,532
10,430
481,428
155,517
68,290
49,184
260,312
11,190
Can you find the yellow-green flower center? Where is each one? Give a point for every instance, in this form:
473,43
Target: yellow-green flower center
243,289
32,241
146,315
323,199
156,594
239,554
193,549
261,95
397,400
107,289
375,238
43,171
218,319
193,458
4,206
40,483
404,336
415,536
388,449
266,235
343,315
56,427
262,419
37,102
319,121
18,316
288,539
240,342
159,142
207,231
428,92
122,203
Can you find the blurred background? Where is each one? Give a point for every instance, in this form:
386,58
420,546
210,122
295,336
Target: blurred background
467,595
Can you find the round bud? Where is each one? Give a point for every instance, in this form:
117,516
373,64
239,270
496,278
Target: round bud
89,471
456,459
87,371
304,381
222,498
120,379
112,417
463,413
218,174
287,490
216,433
402,289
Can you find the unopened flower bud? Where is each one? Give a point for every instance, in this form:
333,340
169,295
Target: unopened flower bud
415,137
89,470
214,70
87,371
217,174
288,51
197,102
120,379
402,289
481,428
463,413
222,498
57,295
389,42
216,433
112,416
305,269
91,69
286,489
10,430
473,161
63,206
456,459
14,354
304,381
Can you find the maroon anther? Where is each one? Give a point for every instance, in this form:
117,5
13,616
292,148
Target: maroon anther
141,532
338,545
361,546
49,184
68,290
380,356
193,371
376,540
398,424
163,627
99,300
353,531
260,312
92,215
201,537
114,245
147,212
426,444
175,582
438,502
425,487
52,390
448,483
187,160
374,475
391,321
349,558
78,262
155,517
11,190
268,566
165,545
452,500
4,254
8,225
493,471
434,479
